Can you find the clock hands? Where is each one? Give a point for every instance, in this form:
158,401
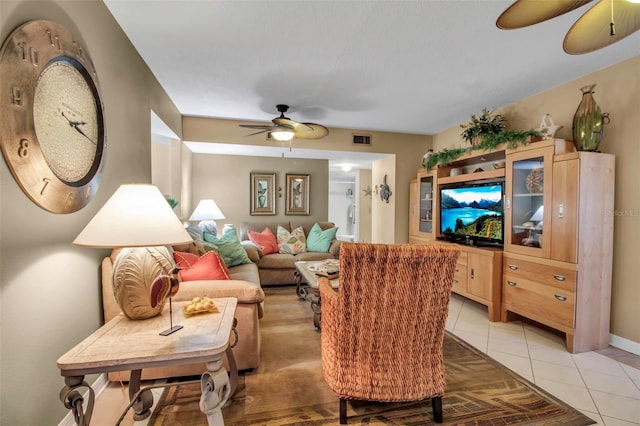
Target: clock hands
75,125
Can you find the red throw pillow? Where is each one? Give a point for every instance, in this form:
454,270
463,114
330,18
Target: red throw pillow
184,259
209,266
265,240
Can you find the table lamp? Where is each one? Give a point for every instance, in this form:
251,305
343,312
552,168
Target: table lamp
138,219
207,212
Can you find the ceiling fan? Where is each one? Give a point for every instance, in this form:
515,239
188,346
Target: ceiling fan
603,24
285,129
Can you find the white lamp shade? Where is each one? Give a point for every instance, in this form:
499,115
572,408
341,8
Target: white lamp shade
538,215
134,216
206,210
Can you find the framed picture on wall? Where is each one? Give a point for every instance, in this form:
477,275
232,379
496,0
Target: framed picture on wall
263,194
297,198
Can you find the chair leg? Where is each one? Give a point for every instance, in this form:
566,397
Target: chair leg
343,411
436,403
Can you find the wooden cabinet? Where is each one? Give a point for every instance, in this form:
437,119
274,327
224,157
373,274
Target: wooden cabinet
561,275
558,237
478,277
422,213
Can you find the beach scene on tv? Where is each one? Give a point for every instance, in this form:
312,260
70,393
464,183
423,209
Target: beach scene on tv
475,211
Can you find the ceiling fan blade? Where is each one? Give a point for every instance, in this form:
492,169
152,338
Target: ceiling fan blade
523,13
256,126
593,31
261,131
297,127
317,131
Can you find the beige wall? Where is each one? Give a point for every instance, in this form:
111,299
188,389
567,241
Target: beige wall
225,178
383,214
618,93
49,289
364,181
408,150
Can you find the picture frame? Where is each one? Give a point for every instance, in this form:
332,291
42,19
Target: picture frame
263,194
297,197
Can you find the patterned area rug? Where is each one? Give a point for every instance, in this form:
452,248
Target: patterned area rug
288,388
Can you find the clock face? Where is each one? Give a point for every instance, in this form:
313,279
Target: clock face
65,121
54,139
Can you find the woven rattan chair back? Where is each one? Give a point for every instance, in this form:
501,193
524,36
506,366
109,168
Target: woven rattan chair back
383,330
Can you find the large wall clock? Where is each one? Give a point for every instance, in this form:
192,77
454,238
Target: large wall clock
52,134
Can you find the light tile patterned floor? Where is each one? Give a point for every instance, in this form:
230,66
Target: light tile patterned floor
604,389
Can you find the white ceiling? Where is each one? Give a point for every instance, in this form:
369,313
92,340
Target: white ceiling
402,66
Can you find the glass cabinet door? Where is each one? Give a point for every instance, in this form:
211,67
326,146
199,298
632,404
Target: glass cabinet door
426,204
528,191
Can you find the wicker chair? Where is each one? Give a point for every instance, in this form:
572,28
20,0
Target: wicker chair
383,330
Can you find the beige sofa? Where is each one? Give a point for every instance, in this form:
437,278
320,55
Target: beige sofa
278,268
244,285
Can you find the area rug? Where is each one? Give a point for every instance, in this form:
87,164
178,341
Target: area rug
288,388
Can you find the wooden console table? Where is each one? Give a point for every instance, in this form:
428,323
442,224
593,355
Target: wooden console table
123,344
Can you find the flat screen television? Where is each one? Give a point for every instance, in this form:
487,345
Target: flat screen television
472,213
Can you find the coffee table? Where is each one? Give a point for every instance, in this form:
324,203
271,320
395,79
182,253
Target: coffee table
123,344
307,272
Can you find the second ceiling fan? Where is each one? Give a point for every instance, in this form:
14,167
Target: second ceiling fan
603,24
285,129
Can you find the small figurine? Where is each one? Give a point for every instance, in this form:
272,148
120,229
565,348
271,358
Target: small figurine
547,127
385,191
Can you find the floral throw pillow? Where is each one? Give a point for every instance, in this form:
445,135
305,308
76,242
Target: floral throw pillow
293,242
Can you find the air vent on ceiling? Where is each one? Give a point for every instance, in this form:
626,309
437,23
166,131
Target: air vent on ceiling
362,139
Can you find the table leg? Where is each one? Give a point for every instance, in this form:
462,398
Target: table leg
216,390
144,401
316,307
302,288
73,400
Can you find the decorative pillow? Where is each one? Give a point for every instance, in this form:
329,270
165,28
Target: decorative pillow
319,240
209,266
229,248
265,240
184,259
293,242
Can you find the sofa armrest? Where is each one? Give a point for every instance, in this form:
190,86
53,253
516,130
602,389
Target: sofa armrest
334,249
244,291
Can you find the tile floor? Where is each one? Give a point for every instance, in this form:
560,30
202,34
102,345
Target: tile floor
606,390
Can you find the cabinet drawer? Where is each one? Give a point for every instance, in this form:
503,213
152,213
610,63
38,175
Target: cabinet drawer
540,302
460,278
540,273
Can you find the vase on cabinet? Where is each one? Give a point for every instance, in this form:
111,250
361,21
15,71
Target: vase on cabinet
588,122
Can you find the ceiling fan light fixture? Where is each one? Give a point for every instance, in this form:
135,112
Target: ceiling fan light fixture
282,134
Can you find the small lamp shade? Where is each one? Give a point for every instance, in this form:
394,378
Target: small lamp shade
206,210
134,216
538,215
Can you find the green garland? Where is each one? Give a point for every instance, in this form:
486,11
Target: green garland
512,138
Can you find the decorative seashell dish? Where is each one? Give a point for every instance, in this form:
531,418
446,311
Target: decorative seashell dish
199,305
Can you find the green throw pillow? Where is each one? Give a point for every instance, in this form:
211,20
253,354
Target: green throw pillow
319,240
229,248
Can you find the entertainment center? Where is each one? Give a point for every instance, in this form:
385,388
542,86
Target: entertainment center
544,250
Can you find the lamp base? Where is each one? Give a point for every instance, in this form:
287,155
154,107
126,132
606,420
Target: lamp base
171,330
